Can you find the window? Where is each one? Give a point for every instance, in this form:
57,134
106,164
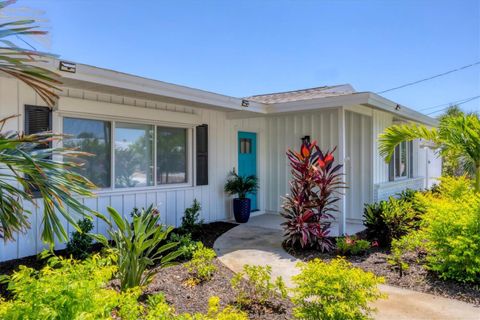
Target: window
245,146
133,155
171,155
92,136
400,167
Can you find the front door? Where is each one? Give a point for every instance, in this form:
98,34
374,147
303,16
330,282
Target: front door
247,160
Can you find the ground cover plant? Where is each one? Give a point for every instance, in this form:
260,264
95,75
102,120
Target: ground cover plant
314,187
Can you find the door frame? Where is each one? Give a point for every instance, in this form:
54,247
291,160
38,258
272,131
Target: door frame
260,191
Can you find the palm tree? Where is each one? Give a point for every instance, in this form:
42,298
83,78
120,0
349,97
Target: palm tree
29,166
20,63
456,136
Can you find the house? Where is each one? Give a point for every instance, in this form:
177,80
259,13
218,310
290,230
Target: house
166,144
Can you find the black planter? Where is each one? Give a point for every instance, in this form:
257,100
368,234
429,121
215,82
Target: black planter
241,209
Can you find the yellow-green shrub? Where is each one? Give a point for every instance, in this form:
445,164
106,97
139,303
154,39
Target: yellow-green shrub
201,267
64,289
260,286
451,229
334,290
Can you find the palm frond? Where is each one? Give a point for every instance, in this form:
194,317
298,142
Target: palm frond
396,134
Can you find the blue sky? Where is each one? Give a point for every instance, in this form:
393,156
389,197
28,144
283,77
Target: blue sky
241,48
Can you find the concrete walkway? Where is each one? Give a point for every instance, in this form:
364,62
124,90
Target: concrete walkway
259,243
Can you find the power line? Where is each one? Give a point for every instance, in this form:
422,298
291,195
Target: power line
448,103
432,77
468,100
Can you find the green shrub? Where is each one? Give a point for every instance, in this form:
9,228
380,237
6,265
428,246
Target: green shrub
388,220
185,244
201,267
190,220
260,287
352,246
451,229
334,290
413,242
80,243
138,246
64,289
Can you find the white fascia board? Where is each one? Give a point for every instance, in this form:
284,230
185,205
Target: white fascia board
385,104
99,76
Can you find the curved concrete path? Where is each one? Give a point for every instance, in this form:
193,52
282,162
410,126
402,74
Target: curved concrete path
259,243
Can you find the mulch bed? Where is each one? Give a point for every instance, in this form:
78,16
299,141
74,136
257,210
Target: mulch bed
171,281
209,232
415,278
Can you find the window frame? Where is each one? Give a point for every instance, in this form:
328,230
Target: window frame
189,150
408,162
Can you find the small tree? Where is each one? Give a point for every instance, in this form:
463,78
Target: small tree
313,195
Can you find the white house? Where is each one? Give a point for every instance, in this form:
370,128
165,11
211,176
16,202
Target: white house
167,144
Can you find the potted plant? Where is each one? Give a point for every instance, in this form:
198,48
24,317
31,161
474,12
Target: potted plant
241,185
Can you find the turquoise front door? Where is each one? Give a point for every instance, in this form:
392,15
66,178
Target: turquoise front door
247,160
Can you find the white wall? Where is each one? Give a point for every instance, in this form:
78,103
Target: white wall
171,201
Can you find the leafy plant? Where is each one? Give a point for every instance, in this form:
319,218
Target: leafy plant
313,193
138,246
28,168
350,245
451,231
185,244
201,267
259,286
334,290
237,184
411,242
388,220
80,244
23,63
458,137
64,289
191,220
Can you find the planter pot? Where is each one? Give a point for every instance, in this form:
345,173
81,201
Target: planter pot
241,209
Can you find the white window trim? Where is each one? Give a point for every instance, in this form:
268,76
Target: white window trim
59,116
406,177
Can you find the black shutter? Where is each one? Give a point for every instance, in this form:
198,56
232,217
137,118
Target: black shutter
202,154
38,119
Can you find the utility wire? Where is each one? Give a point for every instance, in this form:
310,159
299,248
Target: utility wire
468,100
432,77
448,103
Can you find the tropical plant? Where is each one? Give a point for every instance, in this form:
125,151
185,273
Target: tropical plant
138,246
390,220
314,190
254,285
80,243
457,136
350,245
32,170
240,185
201,268
185,244
334,290
23,63
191,220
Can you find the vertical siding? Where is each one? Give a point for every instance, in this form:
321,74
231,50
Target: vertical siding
381,121
171,202
358,151
284,132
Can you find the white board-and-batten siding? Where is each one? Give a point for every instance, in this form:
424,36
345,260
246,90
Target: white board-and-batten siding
171,202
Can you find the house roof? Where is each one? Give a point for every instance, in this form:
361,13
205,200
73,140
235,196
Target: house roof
303,94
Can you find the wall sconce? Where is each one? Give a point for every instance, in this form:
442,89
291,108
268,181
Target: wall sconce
398,107
305,139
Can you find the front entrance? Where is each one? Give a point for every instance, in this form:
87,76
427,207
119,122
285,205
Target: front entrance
247,160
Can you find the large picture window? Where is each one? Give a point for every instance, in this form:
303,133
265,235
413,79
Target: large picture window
92,136
171,155
133,155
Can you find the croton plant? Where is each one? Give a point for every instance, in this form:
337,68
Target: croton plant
314,191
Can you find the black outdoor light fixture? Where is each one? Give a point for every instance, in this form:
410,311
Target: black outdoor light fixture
67,66
398,107
245,103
